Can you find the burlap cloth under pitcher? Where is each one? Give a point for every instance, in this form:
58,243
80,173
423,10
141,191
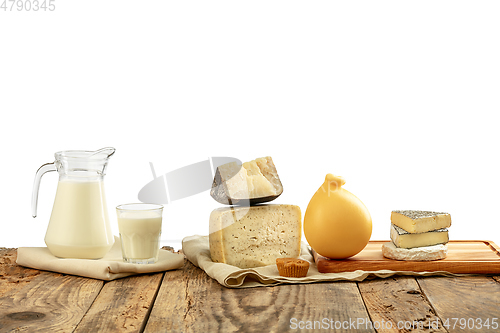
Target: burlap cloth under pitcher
108,268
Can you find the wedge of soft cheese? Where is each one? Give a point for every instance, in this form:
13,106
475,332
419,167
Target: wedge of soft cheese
255,236
417,221
253,182
404,239
426,253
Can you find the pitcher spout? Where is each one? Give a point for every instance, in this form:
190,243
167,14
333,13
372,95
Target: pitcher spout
104,152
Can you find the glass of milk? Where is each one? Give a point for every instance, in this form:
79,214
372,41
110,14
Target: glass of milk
140,229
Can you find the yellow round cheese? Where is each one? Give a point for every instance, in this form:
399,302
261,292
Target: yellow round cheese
337,224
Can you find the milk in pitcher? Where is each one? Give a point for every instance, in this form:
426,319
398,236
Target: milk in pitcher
78,216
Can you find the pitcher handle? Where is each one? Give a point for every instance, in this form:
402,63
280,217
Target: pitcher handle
36,185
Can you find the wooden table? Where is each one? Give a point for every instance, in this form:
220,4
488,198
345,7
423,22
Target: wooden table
187,300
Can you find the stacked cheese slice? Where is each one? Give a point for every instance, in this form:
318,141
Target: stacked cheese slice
252,234
418,235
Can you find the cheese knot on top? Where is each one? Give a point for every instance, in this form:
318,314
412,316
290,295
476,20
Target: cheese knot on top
333,182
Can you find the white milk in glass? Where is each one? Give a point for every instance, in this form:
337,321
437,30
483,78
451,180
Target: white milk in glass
140,235
77,220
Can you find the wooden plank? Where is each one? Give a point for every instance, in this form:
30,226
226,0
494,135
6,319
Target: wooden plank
470,257
122,305
12,276
51,302
171,304
190,301
398,305
476,297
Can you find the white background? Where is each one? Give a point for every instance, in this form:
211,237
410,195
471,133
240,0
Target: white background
397,97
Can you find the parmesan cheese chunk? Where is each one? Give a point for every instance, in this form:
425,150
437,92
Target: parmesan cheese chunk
255,236
253,182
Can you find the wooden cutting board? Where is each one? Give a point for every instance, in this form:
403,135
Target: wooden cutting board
470,257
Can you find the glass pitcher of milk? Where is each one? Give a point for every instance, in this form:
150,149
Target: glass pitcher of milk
79,223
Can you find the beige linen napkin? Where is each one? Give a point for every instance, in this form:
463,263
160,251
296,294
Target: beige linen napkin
196,248
108,268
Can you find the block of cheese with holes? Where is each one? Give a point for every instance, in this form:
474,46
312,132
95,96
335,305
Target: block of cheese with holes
254,236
